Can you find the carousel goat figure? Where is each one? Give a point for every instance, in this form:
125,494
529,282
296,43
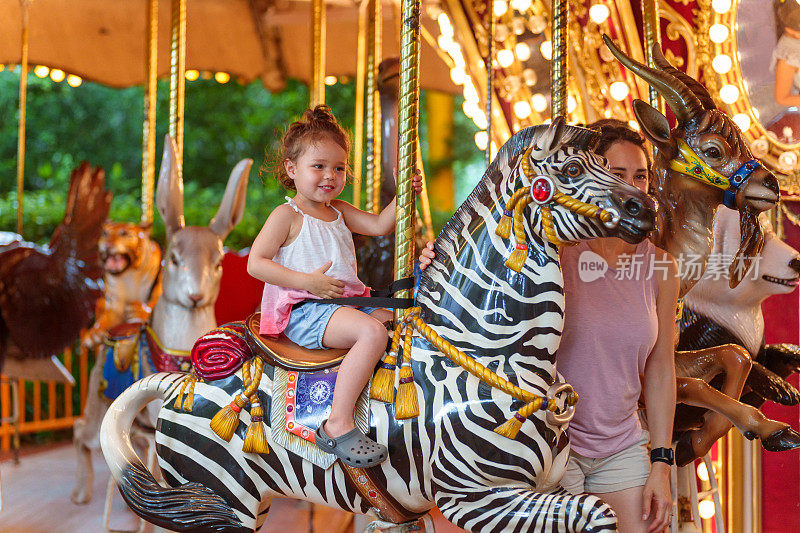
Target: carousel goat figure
488,326
703,163
48,293
191,274
132,278
714,314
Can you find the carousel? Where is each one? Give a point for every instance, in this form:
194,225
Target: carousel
192,418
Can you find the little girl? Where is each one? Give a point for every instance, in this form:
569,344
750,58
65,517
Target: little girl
304,251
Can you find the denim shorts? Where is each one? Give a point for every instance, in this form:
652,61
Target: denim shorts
308,321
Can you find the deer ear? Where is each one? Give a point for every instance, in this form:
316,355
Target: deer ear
231,209
655,127
169,193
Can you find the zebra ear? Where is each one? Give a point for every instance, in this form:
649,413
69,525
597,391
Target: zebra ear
550,140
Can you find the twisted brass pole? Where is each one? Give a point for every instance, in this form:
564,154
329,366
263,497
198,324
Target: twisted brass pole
407,144
177,80
149,122
559,67
23,106
361,74
489,80
652,35
374,44
318,53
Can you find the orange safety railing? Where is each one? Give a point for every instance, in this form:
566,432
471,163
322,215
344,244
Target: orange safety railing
60,410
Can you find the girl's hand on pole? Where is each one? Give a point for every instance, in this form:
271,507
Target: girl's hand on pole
426,256
416,180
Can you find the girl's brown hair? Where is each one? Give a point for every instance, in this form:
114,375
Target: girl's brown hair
315,124
787,15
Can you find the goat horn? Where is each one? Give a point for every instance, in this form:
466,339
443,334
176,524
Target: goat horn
683,102
695,86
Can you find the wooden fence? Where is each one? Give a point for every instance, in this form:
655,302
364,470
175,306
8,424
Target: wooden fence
45,406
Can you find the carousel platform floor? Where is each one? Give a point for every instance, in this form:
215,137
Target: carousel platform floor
35,499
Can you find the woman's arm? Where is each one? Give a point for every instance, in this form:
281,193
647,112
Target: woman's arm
659,394
784,81
272,236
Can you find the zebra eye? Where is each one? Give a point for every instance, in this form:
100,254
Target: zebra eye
573,170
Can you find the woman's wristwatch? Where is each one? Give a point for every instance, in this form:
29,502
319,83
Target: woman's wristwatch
662,455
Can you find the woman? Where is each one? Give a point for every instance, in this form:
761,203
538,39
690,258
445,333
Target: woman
617,345
786,56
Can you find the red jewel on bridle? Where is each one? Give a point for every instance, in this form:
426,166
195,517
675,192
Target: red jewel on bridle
542,189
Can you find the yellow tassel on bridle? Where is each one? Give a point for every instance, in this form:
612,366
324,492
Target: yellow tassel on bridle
226,420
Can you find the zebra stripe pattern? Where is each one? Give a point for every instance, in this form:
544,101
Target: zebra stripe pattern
449,456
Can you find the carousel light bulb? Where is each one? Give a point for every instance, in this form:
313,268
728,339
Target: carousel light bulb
718,33
505,58
521,5
41,71
329,80
572,103
539,102
457,75
192,75
523,51
470,108
470,93
74,81
722,64
444,42
224,77
458,58
702,472
500,8
444,25
518,25
529,75
633,124
729,93
522,109
742,120
599,13
481,140
721,6
706,509
480,120
57,75
619,90
547,50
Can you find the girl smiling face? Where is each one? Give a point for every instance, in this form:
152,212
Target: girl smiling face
320,172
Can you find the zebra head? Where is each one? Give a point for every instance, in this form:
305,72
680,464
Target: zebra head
573,196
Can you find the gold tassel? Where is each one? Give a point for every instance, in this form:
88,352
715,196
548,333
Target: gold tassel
504,226
188,403
382,388
511,427
255,440
226,420
517,258
407,405
179,398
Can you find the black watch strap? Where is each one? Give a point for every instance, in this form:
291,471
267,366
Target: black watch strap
662,455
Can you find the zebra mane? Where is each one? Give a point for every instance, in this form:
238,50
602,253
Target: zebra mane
504,165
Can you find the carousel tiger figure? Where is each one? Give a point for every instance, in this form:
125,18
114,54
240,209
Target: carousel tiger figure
498,317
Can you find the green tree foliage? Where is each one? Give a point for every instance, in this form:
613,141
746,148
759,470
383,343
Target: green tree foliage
224,123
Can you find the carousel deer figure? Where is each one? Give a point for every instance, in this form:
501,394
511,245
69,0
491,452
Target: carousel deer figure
191,274
705,162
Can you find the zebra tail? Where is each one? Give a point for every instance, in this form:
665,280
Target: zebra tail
189,507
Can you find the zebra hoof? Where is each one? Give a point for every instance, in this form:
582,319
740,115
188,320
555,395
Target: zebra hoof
781,440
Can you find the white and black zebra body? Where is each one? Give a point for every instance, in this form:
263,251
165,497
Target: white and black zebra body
449,456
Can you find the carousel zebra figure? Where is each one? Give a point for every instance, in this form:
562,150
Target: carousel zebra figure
502,314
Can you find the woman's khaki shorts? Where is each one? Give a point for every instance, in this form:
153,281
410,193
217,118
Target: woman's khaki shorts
623,470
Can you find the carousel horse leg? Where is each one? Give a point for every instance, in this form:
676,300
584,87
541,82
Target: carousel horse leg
424,524
775,436
86,434
731,360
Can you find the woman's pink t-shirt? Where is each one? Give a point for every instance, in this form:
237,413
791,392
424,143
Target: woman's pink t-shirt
610,328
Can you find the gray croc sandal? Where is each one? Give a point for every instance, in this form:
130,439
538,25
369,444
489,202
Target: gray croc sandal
354,448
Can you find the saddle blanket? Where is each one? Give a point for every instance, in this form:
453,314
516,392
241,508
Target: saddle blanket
301,402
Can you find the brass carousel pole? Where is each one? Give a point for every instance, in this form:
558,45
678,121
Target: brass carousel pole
23,105
559,73
652,35
407,144
318,53
149,122
177,80
427,220
361,67
374,48
489,80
